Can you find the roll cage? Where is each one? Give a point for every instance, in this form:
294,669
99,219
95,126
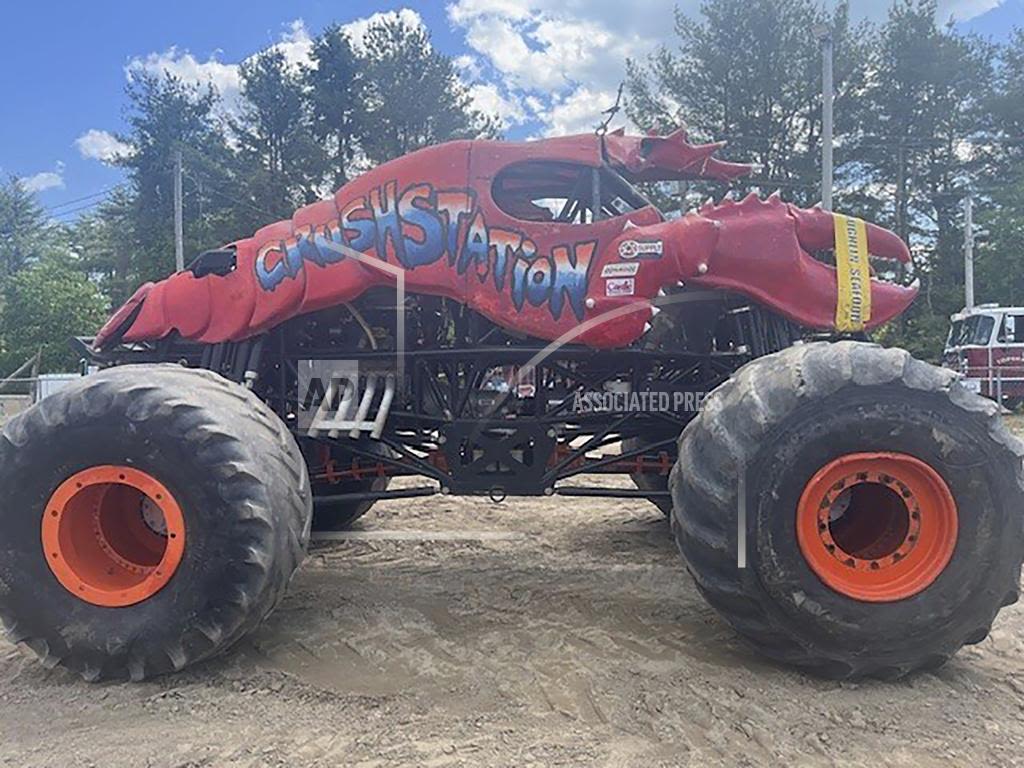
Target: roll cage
570,193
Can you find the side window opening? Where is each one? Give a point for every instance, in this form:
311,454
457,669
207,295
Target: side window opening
1011,330
552,191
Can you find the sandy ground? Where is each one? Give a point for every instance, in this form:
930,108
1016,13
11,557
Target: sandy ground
568,635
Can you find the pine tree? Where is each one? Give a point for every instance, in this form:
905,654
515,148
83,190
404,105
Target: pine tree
165,116
26,234
413,96
749,72
925,119
335,90
276,145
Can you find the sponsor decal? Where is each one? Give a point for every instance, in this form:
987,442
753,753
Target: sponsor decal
620,286
619,269
640,249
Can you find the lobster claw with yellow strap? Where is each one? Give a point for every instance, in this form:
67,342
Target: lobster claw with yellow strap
853,273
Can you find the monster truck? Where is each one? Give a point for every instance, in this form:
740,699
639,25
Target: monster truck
507,319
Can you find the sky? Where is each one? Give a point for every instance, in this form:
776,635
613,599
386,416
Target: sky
544,66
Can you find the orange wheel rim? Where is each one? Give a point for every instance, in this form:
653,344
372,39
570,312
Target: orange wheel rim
877,527
113,536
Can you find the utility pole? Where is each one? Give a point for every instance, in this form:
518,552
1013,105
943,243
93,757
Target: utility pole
901,191
179,232
824,33
969,252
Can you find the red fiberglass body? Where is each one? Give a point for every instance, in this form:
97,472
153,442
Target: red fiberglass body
450,217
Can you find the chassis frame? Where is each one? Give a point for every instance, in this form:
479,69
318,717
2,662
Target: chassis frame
446,427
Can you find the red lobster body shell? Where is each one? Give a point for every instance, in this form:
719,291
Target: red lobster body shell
431,218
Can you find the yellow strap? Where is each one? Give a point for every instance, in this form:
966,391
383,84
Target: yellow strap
853,306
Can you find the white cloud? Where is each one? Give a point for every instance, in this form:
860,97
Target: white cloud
549,53
562,60
44,180
580,111
186,67
964,10
468,66
101,145
488,98
465,11
295,43
356,30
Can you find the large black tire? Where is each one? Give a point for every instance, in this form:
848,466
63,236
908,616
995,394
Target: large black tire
232,467
647,481
780,419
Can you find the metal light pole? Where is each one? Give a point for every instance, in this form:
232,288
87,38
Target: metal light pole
179,231
969,252
824,33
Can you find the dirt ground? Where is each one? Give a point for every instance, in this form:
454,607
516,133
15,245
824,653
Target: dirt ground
535,632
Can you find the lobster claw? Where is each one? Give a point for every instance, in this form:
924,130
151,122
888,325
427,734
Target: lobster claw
815,228
764,249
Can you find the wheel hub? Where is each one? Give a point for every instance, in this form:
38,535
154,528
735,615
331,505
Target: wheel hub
113,535
877,527
153,517
869,520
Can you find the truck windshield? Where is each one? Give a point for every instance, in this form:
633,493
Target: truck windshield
976,331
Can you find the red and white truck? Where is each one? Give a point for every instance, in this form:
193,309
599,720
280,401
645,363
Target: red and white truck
986,345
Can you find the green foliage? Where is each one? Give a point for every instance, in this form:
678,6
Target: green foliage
748,72
44,306
999,257
925,106
276,144
45,297
336,86
413,97
26,235
166,116
1006,103
923,114
108,248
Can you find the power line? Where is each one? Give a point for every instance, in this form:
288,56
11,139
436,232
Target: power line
208,179
79,208
211,184
66,203
208,187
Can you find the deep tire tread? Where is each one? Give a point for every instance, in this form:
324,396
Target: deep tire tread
736,418
256,465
